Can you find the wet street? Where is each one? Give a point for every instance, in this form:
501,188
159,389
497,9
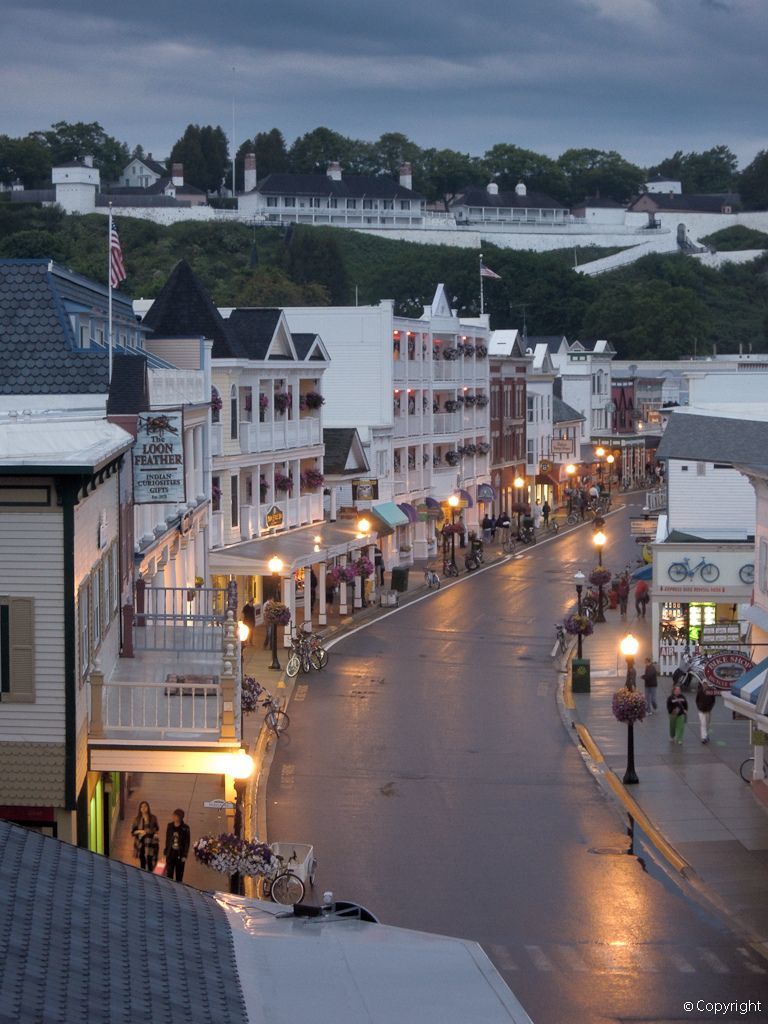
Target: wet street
429,766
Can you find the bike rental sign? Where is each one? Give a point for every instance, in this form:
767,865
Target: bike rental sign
695,572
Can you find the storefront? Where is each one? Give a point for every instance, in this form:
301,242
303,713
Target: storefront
697,593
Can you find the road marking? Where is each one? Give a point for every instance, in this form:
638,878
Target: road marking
572,958
540,959
288,775
503,960
300,693
680,962
748,962
712,961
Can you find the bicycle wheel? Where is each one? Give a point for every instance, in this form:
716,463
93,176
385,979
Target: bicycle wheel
746,775
449,569
288,889
278,721
709,572
572,519
293,666
747,573
306,662
554,526
319,657
677,572
471,563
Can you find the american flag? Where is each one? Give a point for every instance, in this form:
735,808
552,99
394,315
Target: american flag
116,266
487,272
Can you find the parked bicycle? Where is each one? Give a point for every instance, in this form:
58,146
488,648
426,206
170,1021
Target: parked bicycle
286,887
307,652
527,535
747,770
560,637
431,579
450,568
509,543
471,562
276,719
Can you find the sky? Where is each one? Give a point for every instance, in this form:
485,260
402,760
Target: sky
643,77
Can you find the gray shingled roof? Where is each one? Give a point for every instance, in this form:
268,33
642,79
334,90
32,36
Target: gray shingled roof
338,442
37,350
252,330
88,940
715,439
32,774
183,309
475,195
564,413
351,186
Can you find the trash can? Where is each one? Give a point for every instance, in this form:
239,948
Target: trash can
580,676
400,578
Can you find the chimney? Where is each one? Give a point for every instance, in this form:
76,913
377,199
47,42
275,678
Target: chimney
492,188
88,160
249,172
334,170
520,189
406,176
177,175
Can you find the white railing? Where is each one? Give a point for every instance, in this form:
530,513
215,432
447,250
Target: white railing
445,369
179,618
249,521
281,433
217,529
400,485
656,499
180,706
176,387
217,438
401,426
446,422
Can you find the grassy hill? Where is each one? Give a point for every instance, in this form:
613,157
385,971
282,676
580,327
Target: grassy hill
662,305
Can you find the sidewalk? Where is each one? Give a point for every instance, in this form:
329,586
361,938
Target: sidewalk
692,793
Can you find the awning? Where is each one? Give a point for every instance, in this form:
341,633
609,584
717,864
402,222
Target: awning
466,496
645,572
756,615
432,503
308,545
748,686
485,492
390,513
409,511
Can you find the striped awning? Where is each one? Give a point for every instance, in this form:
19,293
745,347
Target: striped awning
749,686
409,511
466,496
432,503
389,516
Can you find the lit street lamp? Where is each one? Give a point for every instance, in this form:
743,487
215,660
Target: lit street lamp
241,769
610,460
519,484
578,579
453,501
599,540
275,566
629,648
599,455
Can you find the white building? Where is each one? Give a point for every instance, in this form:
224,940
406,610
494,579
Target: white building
585,381
476,205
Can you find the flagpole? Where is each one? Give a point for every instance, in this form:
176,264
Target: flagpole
109,279
480,269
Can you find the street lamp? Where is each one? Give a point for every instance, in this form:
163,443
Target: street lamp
578,579
243,632
600,454
629,647
610,459
240,767
519,484
453,501
275,566
363,529
599,540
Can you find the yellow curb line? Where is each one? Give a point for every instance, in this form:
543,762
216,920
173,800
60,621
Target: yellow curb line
592,748
665,849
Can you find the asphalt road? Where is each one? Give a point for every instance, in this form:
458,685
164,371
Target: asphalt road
429,766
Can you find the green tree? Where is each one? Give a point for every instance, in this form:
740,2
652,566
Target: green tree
67,142
314,257
271,153
753,183
213,143
711,171
390,151
440,174
311,153
508,164
269,286
203,154
27,159
593,172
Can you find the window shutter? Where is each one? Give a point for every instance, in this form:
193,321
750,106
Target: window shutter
22,651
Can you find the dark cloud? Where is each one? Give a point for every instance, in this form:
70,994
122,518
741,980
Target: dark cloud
645,77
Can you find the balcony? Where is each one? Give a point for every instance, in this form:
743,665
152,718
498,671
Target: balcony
279,434
176,387
217,529
446,369
446,422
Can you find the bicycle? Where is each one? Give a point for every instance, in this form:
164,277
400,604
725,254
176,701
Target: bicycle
275,719
553,526
748,775
682,570
560,637
285,887
450,568
307,652
431,579
471,562
509,544
527,535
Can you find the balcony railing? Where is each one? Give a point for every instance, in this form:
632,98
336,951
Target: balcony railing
179,618
278,434
446,422
182,706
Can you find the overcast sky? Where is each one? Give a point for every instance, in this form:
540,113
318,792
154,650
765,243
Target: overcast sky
644,77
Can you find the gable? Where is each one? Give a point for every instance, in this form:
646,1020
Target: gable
281,345
440,304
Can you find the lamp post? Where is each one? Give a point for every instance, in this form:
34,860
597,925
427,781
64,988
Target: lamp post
629,648
599,455
578,579
363,529
243,632
453,501
599,540
570,472
275,566
519,484
241,770
610,459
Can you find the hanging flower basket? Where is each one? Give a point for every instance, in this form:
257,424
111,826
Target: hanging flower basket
483,448
469,350
276,613
250,695
313,399
460,399
469,399
436,460
283,483
232,855
282,401
451,405
600,576
425,458
215,400
481,401
263,402
628,705
481,351
343,573
452,458
450,354
311,479
470,449
578,625
364,567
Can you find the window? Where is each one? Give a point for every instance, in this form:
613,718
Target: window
215,493
382,463
387,204
114,595
105,574
271,200
351,204
367,204
235,501
95,608
84,619
233,413
405,204
17,650
531,453
530,409
289,200
333,204
315,202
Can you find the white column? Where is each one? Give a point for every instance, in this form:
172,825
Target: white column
343,609
199,555
322,616
358,584
199,485
189,466
289,598
333,505
308,596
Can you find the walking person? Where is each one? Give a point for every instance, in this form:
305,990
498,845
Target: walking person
145,842
537,510
705,701
249,618
378,565
677,709
487,528
462,532
642,597
546,510
623,592
176,846
651,683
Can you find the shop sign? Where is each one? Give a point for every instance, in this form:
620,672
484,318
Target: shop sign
561,446
274,516
158,458
365,490
428,512
545,466
724,668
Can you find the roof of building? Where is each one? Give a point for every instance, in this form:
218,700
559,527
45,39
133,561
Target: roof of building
662,177
151,165
77,445
86,938
38,354
338,442
303,342
703,203
251,331
155,189
352,186
598,203
704,438
183,309
475,195
564,413
32,774
552,341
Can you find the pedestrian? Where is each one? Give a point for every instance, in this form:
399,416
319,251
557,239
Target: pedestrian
312,589
537,510
176,846
487,528
623,593
642,597
249,618
705,701
677,709
462,532
546,510
378,564
651,682
583,506
145,842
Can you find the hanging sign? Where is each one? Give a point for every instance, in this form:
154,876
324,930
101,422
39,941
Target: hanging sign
274,516
158,458
725,667
365,490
